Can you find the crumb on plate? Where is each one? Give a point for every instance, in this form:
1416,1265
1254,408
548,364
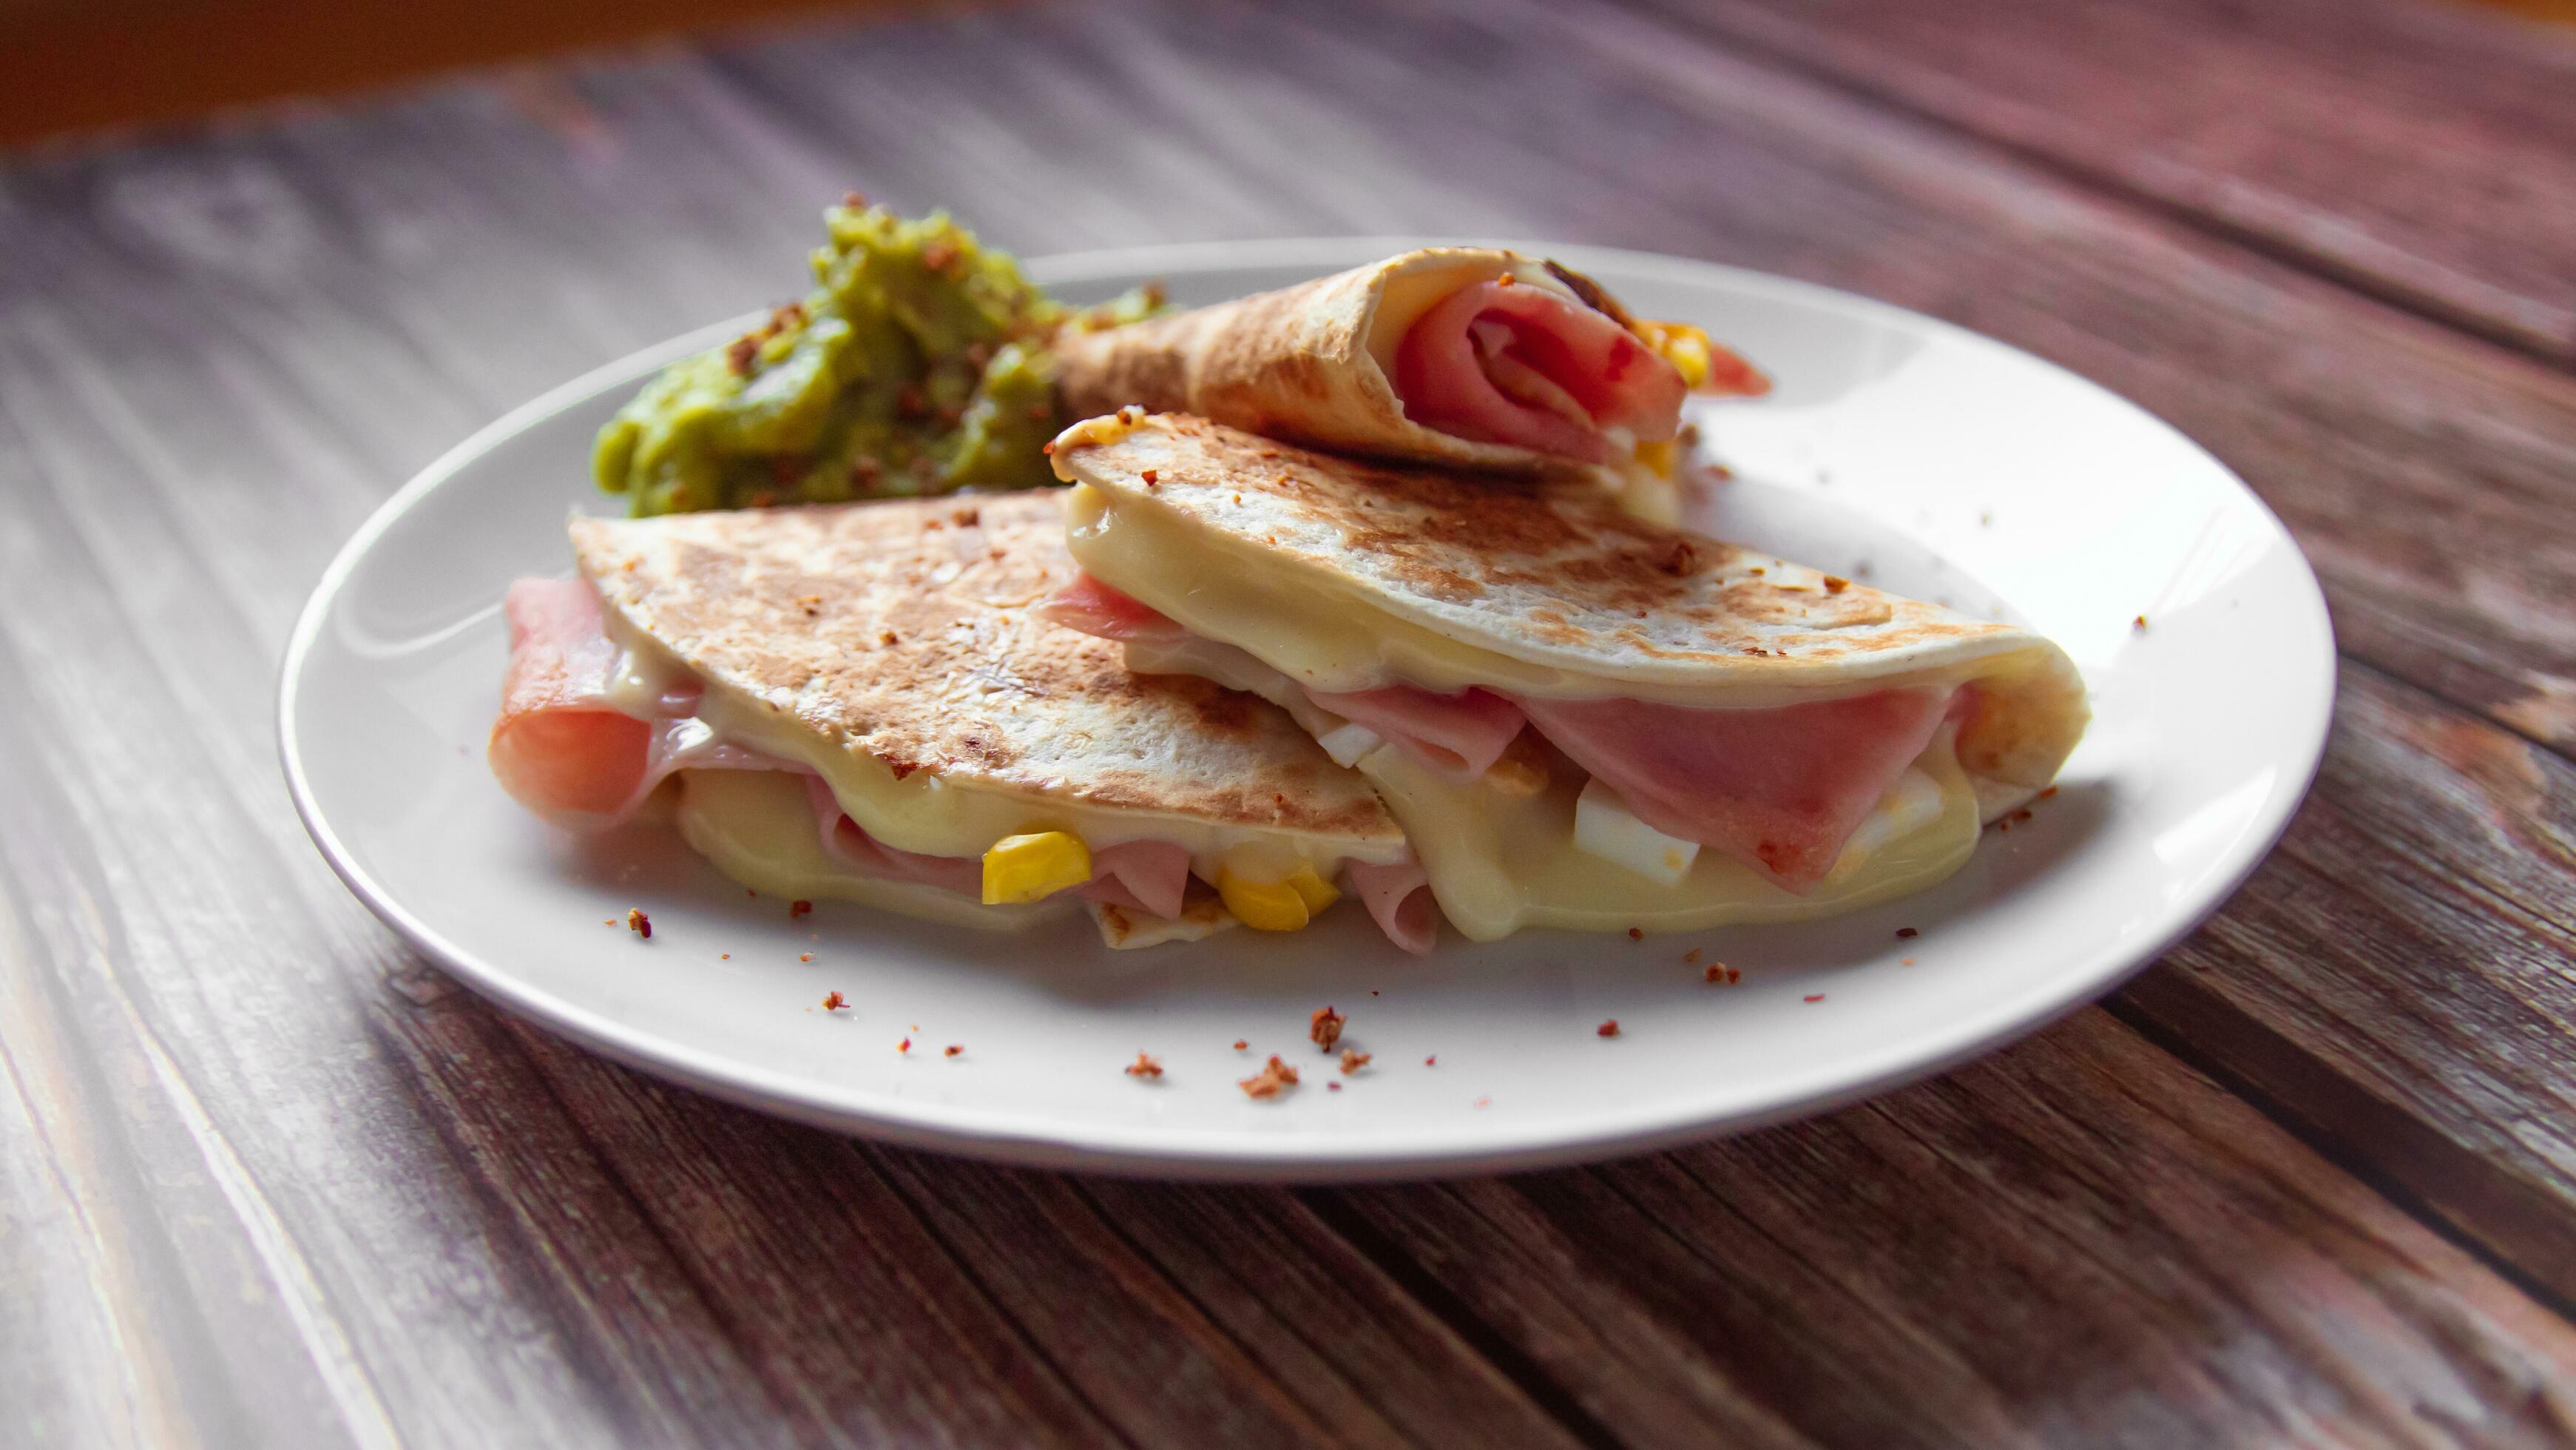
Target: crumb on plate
1274,1078
1324,1025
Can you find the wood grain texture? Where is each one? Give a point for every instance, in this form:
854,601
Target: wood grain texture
2424,153
269,1179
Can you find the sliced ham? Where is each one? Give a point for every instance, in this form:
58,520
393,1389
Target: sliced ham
559,748
855,849
1527,365
1399,897
1094,608
1147,876
1780,790
1461,735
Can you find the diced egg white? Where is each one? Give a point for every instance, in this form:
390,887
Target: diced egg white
1348,743
1604,827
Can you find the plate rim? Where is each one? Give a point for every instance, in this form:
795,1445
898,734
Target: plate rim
1231,1155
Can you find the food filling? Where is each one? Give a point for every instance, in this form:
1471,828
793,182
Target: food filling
575,743
1782,791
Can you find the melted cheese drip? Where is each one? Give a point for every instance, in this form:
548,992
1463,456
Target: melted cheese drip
1500,863
758,828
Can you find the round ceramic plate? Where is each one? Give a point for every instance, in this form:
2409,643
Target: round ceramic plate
1896,449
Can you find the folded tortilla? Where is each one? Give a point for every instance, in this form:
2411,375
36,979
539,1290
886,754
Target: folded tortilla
1582,718
1555,376
862,701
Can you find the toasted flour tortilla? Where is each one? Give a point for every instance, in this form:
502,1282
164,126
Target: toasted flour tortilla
1326,363
1448,612
862,701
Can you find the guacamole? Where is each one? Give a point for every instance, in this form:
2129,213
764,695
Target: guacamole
918,365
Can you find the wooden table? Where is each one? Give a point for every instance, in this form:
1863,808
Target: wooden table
268,1179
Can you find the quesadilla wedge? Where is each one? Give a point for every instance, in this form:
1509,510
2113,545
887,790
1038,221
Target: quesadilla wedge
861,701
1583,720
1462,355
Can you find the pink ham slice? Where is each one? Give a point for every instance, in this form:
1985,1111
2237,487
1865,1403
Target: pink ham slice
558,747
1147,876
1779,790
1461,735
1530,366
850,846
1399,897
1094,608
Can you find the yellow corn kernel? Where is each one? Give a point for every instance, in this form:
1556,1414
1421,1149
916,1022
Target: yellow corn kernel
1034,866
1657,458
1682,345
1265,905
1313,890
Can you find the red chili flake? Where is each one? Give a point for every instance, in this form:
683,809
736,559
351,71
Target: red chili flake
724,956
1240,1044
1733,976
1484,1102
1719,972
1332,1087
1607,1029
2052,790
1905,961
904,1046
2138,623
638,923
747,891
888,637
2022,815
952,1049
1274,1078
804,956
1145,1066
1149,476
1815,996
799,910
1691,956
1047,447
834,1001
1636,934
1905,932
1325,1026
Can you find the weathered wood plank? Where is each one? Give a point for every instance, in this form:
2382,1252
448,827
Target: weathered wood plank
2074,1242
2423,152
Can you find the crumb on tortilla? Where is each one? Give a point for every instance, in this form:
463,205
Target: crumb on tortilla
1274,1078
1836,584
1325,1026
1145,1066
638,923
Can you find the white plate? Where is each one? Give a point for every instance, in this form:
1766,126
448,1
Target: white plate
1897,449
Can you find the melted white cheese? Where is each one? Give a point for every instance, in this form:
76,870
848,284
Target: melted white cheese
1500,863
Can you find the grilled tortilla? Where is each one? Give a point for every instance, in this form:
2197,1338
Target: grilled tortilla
1315,576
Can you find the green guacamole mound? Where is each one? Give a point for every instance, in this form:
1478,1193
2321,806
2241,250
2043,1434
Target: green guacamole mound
918,365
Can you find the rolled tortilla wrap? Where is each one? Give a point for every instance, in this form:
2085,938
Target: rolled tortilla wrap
1469,356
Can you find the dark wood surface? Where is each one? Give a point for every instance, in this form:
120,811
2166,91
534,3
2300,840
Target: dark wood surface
266,1178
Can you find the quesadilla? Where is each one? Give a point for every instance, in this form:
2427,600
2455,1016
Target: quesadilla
1583,719
1461,355
861,701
